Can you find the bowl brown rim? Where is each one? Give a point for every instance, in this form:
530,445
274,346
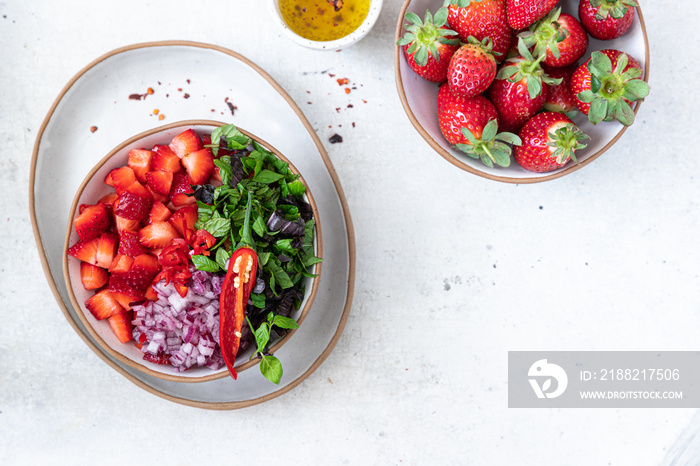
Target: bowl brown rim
174,376
468,168
211,405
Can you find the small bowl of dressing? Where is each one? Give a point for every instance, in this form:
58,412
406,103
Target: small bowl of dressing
325,24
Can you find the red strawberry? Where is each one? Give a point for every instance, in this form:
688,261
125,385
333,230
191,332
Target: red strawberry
429,45
123,290
520,89
108,199
559,96
184,219
85,251
92,221
124,224
549,141
482,19
456,112
121,264
140,275
472,68
92,276
102,305
160,358
121,178
129,244
159,213
606,19
199,165
106,249
186,142
560,35
135,202
159,181
121,326
606,85
181,190
165,159
126,299
522,13
140,160
157,234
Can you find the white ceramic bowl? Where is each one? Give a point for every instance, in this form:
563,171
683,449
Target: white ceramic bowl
374,9
92,189
419,99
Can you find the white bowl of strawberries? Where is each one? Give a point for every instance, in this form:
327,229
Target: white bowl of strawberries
521,91
149,253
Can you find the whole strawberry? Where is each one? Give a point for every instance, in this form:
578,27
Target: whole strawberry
429,45
481,19
520,89
522,13
606,19
456,112
472,68
606,85
559,96
549,141
560,36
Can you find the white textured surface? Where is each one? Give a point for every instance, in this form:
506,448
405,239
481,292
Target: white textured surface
453,270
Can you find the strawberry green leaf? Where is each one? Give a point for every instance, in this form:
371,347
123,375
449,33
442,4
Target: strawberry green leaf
598,110
490,130
623,113
510,138
636,90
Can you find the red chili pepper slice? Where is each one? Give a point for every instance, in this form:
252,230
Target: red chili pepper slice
235,291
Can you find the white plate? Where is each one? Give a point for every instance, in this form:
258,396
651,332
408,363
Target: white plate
419,99
99,96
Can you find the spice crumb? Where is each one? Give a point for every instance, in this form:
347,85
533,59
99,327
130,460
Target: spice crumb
156,111
186,95
93,129
336,138
342,81
347,90
161,116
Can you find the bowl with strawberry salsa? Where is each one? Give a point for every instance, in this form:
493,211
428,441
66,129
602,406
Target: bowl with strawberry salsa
419,96
151,231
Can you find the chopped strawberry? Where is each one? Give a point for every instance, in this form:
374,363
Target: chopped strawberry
159,181
108,199
151,294
126,299
140,160
121,264
121,178
122,289
184,219
160,358
157,234
186,142
129,244
94,220
159,213
103,305
199,165
85,251
165,159
135,202
92,276
124,224
106,249
121,326
180,193
164,198
140,275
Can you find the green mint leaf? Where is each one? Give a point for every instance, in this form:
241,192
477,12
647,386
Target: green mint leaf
204,263
267,177
285,322
271,369
262,336
218,227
